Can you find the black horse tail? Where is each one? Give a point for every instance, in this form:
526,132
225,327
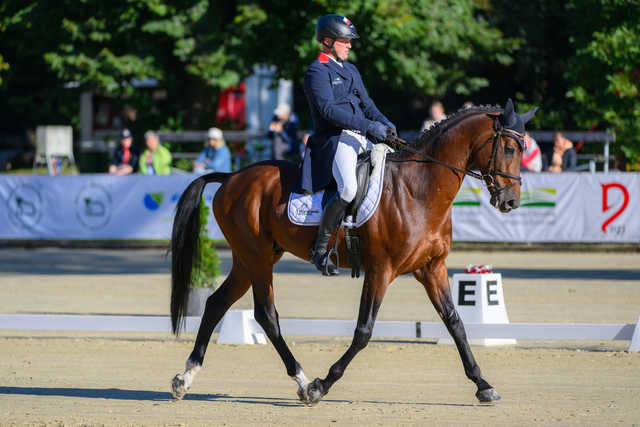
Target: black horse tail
185,244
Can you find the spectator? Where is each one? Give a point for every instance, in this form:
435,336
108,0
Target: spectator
531,158
467,104
283,132
620,162
564,157
125,159
215,157
130,115
155,160
436,114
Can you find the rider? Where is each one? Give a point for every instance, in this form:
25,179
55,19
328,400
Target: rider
343,116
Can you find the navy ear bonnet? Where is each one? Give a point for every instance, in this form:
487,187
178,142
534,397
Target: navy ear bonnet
514,121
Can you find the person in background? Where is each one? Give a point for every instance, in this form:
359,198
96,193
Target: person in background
215,157
283,132
155,160
564,157
436,114
532,157
125,159
467,104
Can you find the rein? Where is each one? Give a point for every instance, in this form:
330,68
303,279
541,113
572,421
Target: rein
488,178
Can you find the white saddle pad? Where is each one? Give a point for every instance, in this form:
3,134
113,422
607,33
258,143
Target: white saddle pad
306,209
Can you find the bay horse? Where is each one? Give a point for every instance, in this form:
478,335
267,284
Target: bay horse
409,233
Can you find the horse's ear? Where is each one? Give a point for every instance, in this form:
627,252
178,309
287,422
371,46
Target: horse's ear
527,116
508,109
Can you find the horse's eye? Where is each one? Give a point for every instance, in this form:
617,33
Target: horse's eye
510,151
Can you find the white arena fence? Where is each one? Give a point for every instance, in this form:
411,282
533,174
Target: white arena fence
325,327
567,207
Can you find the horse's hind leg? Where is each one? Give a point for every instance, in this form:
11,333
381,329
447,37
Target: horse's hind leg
235,285
266,315
436,282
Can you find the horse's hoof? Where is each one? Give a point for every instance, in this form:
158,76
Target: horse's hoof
303,396
315,392
178,387
487,395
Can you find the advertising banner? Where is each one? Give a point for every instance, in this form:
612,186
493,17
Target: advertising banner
567,207
93,206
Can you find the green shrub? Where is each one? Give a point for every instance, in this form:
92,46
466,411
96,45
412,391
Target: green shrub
209,261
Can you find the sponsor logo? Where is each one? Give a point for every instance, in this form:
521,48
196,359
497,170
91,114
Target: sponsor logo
93,206
468,196
538,197
306,210
152,201
25,206
606,206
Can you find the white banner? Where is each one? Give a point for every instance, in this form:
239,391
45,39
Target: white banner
93,206
567,207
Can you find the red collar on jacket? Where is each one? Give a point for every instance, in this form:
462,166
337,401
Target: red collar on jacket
323,57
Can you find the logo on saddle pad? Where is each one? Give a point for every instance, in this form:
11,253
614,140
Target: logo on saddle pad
306,210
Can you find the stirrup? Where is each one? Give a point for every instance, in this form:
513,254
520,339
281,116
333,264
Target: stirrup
324,264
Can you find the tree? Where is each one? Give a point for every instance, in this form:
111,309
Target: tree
430,47
605,72
579,60
193,48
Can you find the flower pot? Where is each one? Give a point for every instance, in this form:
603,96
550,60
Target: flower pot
198,299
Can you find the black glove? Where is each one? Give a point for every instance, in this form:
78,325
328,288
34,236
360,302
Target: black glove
377,131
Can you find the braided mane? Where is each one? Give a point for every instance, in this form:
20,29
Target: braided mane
433,134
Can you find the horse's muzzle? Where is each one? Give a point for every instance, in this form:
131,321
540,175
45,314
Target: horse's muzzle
505,202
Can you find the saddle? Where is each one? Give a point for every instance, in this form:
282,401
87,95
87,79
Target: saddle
352,239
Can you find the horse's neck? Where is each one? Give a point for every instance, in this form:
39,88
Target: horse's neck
453,148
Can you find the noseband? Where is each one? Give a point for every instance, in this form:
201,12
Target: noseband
488,178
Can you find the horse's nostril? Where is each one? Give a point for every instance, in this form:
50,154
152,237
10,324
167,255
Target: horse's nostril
513,203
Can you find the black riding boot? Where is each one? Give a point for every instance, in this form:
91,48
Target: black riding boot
331,219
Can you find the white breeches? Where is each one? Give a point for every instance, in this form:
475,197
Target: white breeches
350,144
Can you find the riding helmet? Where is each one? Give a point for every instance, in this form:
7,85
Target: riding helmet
335,27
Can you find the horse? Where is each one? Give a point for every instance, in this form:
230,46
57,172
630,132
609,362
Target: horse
410,232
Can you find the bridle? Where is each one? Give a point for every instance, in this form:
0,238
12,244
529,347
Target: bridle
488,178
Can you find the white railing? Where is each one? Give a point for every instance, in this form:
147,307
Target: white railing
326,327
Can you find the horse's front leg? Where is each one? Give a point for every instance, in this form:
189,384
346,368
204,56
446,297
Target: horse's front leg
435,280
375,284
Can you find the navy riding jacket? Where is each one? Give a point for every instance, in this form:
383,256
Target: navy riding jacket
338,100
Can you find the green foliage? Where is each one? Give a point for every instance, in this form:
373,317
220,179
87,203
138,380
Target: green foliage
209,261
194,48
605,72
183,164
579,61
3,66
429,47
